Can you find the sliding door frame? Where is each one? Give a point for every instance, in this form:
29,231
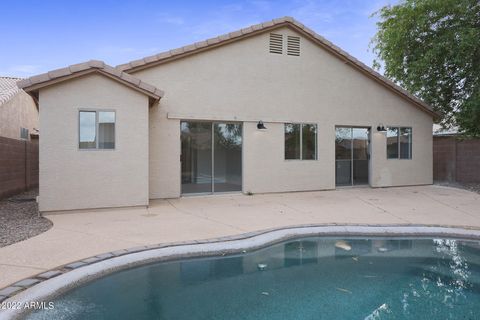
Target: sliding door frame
212,178
369,153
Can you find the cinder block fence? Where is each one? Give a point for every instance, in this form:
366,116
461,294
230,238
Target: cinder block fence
456,159
18,165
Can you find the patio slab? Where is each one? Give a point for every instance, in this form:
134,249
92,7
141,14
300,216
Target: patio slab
80,235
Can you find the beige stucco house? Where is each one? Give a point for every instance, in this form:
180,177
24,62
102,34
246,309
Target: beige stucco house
18,111
270,108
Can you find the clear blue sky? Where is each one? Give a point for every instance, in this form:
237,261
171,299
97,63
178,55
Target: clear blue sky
38,36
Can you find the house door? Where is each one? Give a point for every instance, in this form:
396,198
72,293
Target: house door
211,157
351,156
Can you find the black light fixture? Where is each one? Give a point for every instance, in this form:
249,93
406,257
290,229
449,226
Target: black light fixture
260,125
381,128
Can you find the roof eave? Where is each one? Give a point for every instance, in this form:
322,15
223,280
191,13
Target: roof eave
33,84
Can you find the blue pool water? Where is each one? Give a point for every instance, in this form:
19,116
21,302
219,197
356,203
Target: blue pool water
310,278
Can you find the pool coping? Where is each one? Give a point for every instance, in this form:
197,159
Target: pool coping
51,283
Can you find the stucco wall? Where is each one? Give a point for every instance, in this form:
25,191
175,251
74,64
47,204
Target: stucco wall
19,112
243,81
74,179
164,160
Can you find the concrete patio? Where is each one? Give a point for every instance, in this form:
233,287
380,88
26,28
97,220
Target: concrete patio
80,235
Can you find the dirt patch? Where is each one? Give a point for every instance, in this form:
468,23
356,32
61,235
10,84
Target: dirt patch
470,186
19,219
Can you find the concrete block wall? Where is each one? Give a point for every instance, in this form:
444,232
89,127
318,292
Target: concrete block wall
18,166
456,159
468,160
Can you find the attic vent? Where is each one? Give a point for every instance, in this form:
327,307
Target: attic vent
276,43
293,46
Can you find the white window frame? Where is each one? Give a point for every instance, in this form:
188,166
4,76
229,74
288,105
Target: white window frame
97,111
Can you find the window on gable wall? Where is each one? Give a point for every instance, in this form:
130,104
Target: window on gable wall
399,143
300,141
97,129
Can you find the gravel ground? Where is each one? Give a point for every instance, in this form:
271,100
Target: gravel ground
19,219
475,187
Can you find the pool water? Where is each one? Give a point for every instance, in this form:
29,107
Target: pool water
309,278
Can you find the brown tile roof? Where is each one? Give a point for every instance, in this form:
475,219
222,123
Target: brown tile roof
197,47
45,79
8,88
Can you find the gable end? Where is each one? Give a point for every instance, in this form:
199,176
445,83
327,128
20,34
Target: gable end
294,50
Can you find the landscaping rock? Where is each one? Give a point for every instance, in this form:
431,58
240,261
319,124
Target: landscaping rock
470,186
19,219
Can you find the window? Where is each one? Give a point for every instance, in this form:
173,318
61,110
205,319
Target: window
24,133
300,141
106,130
88,130
405,143
97,130
399,143
309,141
392,143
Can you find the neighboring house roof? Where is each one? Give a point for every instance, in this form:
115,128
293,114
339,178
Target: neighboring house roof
438,130
8,88
201,46
34,83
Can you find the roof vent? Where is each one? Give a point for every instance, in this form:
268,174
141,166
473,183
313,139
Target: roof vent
293,46
276,43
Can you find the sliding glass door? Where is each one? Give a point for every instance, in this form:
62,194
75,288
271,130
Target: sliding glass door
343,156
196,157
351,156
227,157
211,157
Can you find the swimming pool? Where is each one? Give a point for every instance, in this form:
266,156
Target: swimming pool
304,278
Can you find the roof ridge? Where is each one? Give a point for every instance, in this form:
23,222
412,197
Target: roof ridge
34,82
204,43
262,27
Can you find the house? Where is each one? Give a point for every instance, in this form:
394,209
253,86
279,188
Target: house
18,111
270,108
18,139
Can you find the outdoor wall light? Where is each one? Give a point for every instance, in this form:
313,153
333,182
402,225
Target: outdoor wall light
260,125
381,128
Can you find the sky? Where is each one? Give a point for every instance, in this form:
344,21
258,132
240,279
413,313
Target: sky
42,35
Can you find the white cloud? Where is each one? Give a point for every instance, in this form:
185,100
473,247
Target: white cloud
262,5
171,19
226,19
347,23
314,12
